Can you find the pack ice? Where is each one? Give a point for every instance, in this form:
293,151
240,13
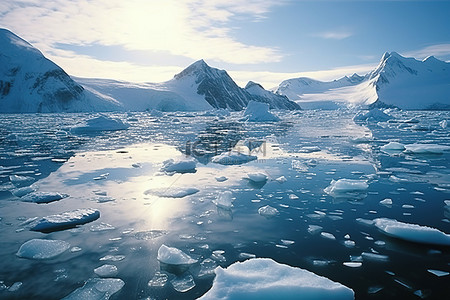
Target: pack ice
412,232
174,256
42,249
66,220
263,278
101,123
97,289
259,112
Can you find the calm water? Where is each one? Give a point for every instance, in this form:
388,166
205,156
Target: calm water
308,148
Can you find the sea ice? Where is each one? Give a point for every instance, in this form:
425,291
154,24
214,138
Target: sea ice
412,232
158,280
259,112
426,148
183,283
20,192
66,220
101,123
281,179
314,229
106,270
233,158
43,197
374,256
224,200
392,146
268,211
386,202
257,177
42,249
327,235
97,289
179,166
373,115
173,192
343,186
18,180
438,273
174,256
443,124
221,178
263,278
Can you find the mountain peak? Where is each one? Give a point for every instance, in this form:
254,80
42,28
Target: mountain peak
198,68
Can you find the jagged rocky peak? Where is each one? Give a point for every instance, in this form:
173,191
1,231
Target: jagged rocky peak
200,69
252,84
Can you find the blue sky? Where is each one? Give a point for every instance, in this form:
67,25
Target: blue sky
265,41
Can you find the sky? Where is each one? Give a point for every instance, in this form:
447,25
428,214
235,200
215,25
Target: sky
260,40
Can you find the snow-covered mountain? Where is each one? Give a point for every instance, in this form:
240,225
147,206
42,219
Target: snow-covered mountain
274,100
397,81
29,82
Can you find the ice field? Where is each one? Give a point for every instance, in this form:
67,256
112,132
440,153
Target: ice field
150,208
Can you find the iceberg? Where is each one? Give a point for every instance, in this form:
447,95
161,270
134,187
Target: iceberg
43,197
426,148
263,278
233,158
373,115
101,123
259,112
412,232
174,256
224,200
180,166
268,211
66,220
42,249
97,289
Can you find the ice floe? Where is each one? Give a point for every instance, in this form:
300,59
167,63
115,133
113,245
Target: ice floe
179,166
259,112
20,192
158,280
343,187
426,148
101,123
174,256
224,200
392,147
42,249
268,211
233,158
412,232
43,197
66,220
173,192
257,177
263,278
106,270
183,283
97,289
438,273
373,115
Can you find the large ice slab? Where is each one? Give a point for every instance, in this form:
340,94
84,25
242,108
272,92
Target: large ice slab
426,148
97,289
101,123
42,249
259,112
43,197
412,232
263,278
343,187
233,158
66,220
174,256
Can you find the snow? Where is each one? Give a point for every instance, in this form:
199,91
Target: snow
259,112
268,211
412,232
66,220
233,158
373,115
343,186
179,166
106,270
224,200
263,278
101,123
257,177
174,256
43,197
42,249
393,146
426,148
173,192
97,289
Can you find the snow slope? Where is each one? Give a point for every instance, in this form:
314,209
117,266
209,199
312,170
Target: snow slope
29,82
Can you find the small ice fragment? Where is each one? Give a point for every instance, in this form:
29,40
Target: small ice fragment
75,249
112,258
375,257
374,289
233,158
217,255
221,179
19,192
97,289
408,206
327,235
174,256
149,235
380,243
443,124
106,270
352,264
158,280
438,273
314,229
347,236
426,148
245,255
101,123
183,283
386,202
268,211
224,200
208,266
342,187
15,286
281,179
393,146
373,115
101,227
42,249
257,177
179,166
287,242
18,180
293,197
364,221
349,243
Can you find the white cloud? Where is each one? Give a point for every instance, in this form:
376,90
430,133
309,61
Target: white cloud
439,50
334,35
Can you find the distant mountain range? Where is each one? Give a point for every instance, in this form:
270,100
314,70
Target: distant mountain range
29,82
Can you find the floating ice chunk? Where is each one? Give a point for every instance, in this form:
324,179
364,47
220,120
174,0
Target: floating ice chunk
66,220
224,200
344,186
263,278
179,166
438,272
268,211
112,258
245,255
102,227
208,266
106,271
310,149
352,264
159,280
314,229
233,158
374,256
42,249
373,115
101,123
443,124
43,197
259,112
393,146
257,177
173,192
327,235
412,232
19,192
15,286
18,180
426,148
364,222
386,202
149,235
281,179
221,179
183,283
349,243
174,256
97,289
